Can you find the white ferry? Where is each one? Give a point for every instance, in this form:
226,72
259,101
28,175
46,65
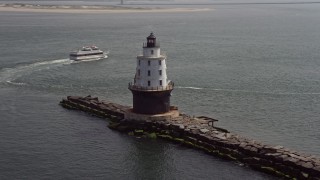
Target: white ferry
88,53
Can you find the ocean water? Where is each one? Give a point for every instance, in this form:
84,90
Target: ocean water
255,67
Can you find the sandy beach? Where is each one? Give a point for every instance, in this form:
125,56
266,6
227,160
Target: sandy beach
90,9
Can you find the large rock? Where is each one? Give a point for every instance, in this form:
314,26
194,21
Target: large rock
231,144
307,166
288,170
315,171
290,161
221,136
252,160
278,147
267,149
204,130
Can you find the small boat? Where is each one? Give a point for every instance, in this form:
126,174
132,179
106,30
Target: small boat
88,53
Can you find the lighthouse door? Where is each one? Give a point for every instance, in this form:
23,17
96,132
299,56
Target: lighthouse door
167,107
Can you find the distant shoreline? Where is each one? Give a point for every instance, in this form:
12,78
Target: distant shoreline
90,9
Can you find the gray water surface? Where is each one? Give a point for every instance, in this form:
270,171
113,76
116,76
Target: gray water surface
253,67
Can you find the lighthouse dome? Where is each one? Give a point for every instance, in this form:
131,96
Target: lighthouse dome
151,36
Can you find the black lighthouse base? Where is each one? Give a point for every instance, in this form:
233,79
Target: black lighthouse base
151,102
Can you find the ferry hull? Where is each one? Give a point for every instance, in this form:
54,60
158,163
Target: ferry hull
88,58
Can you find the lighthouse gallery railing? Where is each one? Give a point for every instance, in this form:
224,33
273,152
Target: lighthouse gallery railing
158,88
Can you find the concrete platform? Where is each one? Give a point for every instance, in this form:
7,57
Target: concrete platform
129,114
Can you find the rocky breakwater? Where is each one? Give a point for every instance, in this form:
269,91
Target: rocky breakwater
200,133
93,106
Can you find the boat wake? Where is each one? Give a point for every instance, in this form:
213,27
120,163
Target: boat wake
87,60
190,87
252,92
16,83
270,93
9,75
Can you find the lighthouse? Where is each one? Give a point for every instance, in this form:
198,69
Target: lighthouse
150,88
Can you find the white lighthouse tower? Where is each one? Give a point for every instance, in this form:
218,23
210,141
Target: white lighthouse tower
151,89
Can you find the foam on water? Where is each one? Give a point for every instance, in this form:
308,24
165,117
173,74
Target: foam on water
272,93
16,83
88,60
247,91
190,87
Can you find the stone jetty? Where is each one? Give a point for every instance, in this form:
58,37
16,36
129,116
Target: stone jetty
201,133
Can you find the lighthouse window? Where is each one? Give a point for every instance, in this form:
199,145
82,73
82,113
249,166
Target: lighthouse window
160,72
139,62
151,51
148,63
149,73
160,82
159,62
148,83
138,72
